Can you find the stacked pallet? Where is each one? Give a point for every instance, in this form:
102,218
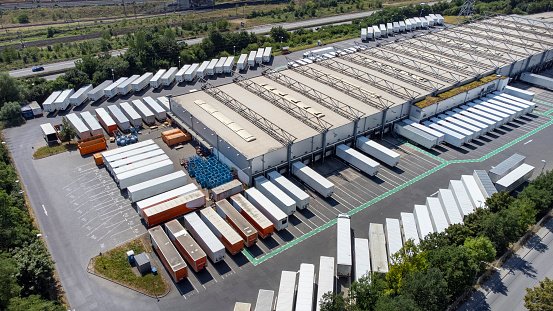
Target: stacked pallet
175,136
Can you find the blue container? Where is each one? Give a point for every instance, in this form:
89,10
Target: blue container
154,271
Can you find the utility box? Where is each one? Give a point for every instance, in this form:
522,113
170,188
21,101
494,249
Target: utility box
143,263
130,256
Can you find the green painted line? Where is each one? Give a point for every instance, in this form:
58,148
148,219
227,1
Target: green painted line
542,102
257,261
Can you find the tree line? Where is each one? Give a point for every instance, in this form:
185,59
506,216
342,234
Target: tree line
433,274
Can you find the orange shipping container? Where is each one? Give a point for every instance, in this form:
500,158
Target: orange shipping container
92,144
237,221
170,132
170,209
261,223
98,159
171,259
190,250
222,230
177,138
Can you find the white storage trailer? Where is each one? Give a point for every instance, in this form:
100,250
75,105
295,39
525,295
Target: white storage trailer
251,59
265,300
112,161
377,247
146,114
313,179
155,81
439,136
424,223
111,90
92,123
98,92
62,102
299,196
80,96
414,134
143,159
222,230
132,158
409,228
169,76
451,137
78,125
259,56
213,248
164,197
131,114
476,131
484,183
383,31
277,196
156,186
376,32
145,173
48,104
306,287
210,69
497,120
393,237
437,215
242,62
363,34
179,76
514,101
450,207
396,26
267,54
159,113
112,153
286,291
377,151
508,114
357,159
484,127
401,26
390,28
220,66
228,65
408,24
190,73
476,197
513,109
267,208
515,178
126,86
519,93
49,133
122,121
201,72
325,282
504,117
142,82
461,197
492,124
164,102
370,33
505,167
343,246
362,258
468,135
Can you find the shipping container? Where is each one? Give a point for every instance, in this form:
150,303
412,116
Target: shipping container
232,241
164,102
155,81
409,228
165,211
526,95
201,72
461,197
144,173
313,179
210,69
80,96
265,300
376,32
189,249
156,186
267,54
450,207
515,178
147,115
159,113
49,133
126,86
251,59
393,237
325,282
343,249
437,215
377,248
168,254
363,34
220,66
484,127
142,82
164,197
439,136
415,135
226,190
144,159
451,137
277,196
92,145
242,62
361,258
261,223
473,116
228,65
424,223
299,196
111,90
377,151
306,287
133,116
98,92
169,76
78,125
179,76
214,249
476,131
92,123
475,194
242,306
267,208
484,183
505,167
62,101
286,291
237,221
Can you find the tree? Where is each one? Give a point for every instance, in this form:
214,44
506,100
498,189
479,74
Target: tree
106,35
23,18
8,282
499,201
87,64
410,258
501,228
541,197
67,131
458,233
75,78
279,32
11,89
11,113
480,249
540,298
50,32
455,264
34,303
434,240
396,303
331,302
428,289
366,291
36,269
525,212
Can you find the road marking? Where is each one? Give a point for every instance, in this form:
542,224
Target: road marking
528,141
44,208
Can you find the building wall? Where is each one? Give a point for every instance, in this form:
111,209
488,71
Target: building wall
194,4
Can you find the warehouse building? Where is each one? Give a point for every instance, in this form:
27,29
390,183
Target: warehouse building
303,112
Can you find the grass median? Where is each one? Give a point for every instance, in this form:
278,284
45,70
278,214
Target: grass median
47,151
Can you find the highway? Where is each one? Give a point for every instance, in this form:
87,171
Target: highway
505,290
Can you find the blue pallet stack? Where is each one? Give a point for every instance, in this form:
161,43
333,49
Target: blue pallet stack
209,172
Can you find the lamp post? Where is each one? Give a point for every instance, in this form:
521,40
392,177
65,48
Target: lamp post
154,287
478,269
112,75
169,99
543,167
234,50
179,61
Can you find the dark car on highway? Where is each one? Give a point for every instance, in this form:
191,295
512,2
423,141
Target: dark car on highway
39,68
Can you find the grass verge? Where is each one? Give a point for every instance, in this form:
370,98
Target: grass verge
114,265
47,151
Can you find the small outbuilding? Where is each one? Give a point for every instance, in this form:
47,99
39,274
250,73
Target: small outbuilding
143,262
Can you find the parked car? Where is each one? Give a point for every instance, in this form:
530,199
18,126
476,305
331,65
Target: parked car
39,68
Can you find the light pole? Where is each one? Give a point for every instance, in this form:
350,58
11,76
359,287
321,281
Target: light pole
169,98
480,202
112,75
234,50
543,167
179,61
280,40
154,287
478,269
